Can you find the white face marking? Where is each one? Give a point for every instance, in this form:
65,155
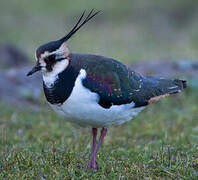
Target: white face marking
42,62
50,77
61,52
82,108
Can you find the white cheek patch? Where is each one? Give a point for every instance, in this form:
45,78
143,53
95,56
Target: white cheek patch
62,52
60,57
49,78
42,64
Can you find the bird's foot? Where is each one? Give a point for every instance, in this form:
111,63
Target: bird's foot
92,165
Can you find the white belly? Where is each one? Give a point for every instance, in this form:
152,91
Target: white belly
82,108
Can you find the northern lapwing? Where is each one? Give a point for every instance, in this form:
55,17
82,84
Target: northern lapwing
95,91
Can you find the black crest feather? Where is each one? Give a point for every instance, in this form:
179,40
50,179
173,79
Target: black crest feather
79,24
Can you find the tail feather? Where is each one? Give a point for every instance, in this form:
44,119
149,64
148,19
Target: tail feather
158,88
179,85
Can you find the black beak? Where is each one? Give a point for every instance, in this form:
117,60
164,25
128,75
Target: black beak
34,69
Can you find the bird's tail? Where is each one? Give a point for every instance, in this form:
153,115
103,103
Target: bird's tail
164,87
178,86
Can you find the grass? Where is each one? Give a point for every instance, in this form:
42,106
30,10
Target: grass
161,143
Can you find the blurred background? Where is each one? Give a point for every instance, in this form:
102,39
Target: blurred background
130,30
153,37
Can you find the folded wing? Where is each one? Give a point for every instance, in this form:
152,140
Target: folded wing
116,84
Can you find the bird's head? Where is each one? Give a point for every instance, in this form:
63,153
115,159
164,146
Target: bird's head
55,54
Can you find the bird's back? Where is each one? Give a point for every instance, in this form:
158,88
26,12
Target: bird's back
117,84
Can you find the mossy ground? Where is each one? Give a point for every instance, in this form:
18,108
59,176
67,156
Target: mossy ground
160,143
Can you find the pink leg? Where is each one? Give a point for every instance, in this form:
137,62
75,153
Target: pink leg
92,163
94,133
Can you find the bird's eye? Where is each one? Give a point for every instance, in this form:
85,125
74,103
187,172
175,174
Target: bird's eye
51,57
54,58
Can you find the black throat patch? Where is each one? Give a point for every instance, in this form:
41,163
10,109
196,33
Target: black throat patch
62,88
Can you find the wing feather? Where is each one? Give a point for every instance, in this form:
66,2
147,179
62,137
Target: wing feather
116,84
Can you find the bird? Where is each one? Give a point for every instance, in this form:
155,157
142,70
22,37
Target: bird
95,91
